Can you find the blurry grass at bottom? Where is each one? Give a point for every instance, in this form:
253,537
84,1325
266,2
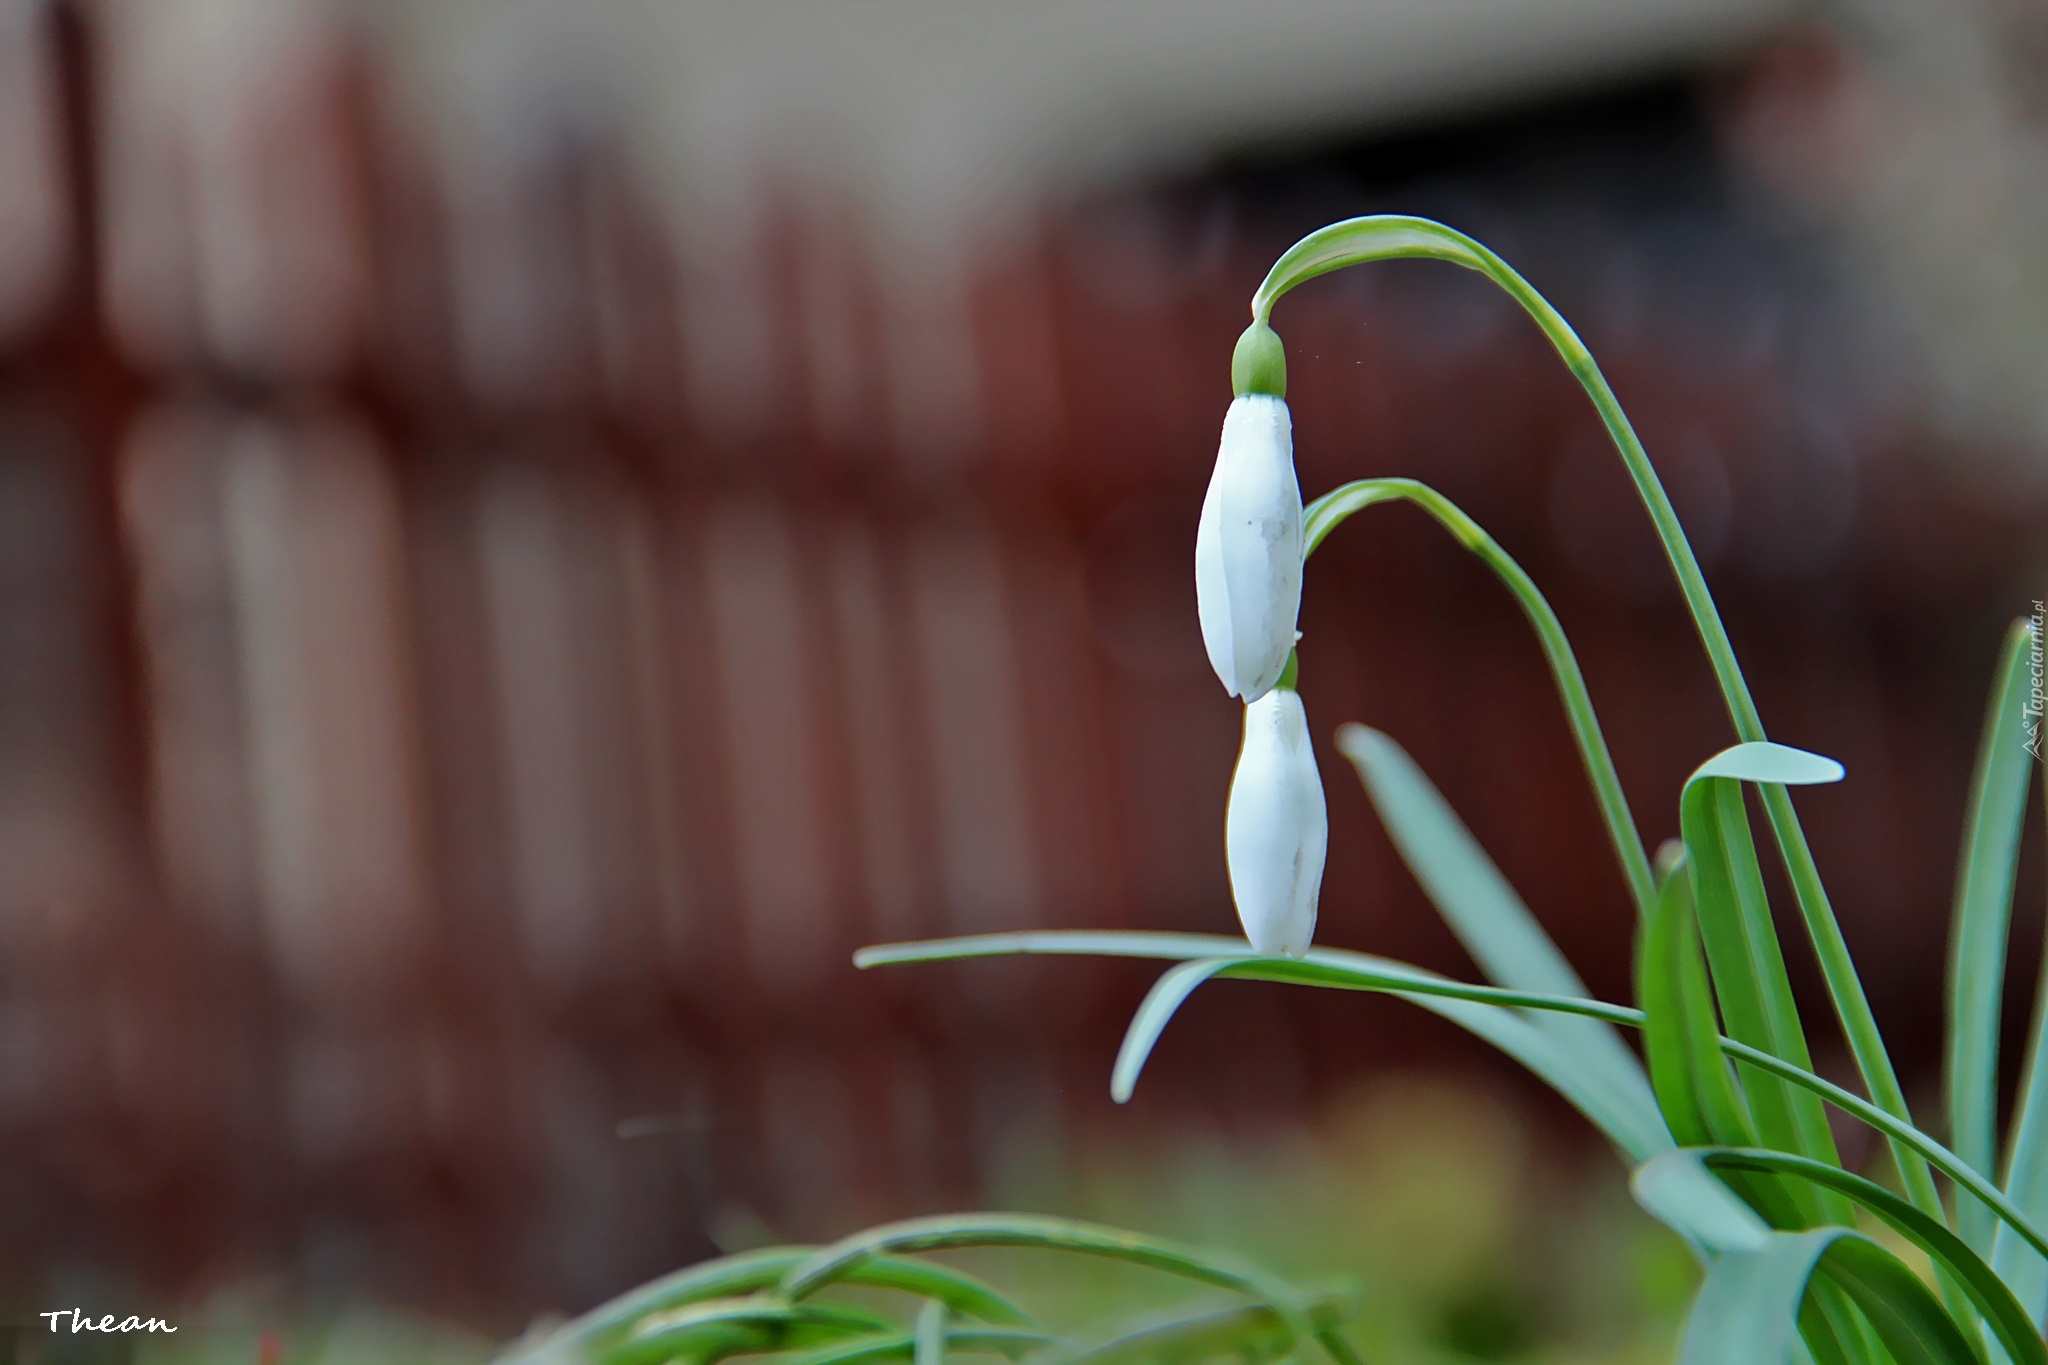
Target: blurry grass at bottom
1469,1241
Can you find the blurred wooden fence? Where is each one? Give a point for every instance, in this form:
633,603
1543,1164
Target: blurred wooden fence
479,646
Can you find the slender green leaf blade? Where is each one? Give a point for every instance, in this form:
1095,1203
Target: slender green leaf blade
1253,1330
1908,1317
1493,923
2024,1267
718,1328
1983,910
840,1260
1763,761
1749,975
1341,970
1014,1342
1153,1015
928,1342
1747,1310
2001,1311
1681,1035
1676,1190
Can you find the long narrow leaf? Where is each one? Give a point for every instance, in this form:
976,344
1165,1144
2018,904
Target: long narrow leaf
1248,1330
2026,1178
1680,1034
752,1271
1909,1319
1153,1014
1340,970
1706,1212
724,1327
1482,909
1655,1188
1983,909
1749,973
1748,1309
1014,1342
839,1260
928,1341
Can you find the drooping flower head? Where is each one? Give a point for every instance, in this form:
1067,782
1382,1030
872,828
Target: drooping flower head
1248,543
1277,828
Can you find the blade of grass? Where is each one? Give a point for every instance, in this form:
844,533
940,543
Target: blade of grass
1326,513
1482,909
1983,910
1392,237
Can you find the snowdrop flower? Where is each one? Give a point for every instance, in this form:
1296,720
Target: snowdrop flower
1248,543
1277,829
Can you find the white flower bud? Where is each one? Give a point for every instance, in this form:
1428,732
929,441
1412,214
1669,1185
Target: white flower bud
1277,830
1248,548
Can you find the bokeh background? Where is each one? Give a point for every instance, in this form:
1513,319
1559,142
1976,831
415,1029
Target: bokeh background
530,530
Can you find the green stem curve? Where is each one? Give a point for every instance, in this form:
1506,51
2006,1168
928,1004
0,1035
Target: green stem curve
1383,237
1327,512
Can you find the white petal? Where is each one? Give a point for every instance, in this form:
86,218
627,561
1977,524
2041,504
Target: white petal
1276,831
1248,548
1212,588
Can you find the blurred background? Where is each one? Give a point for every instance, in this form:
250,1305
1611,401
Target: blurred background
530,530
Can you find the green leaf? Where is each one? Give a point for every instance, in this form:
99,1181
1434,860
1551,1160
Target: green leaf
1983,909
842,1259
2027,1161
1636,1132
713,1330
1762,761
929,1340
1153,1015
1482,909
752,1271
1340,970
1748,1309
1252,1330
1749,976
1671,1189
2000,1309
1909,1319
1680,1034
1014,1342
